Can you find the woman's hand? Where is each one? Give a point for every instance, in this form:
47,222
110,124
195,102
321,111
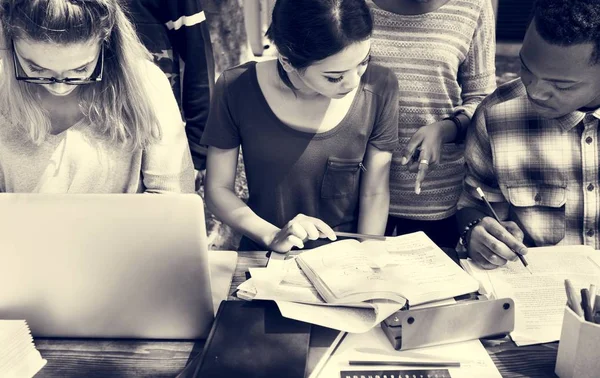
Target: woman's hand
423,151
199,179
297,231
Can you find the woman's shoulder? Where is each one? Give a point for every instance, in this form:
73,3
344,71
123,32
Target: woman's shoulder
153,76
237,76
161,99
379,80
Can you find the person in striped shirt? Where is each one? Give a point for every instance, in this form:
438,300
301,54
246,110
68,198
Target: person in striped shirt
442,52
534,147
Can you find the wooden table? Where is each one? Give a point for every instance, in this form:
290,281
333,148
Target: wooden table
137,358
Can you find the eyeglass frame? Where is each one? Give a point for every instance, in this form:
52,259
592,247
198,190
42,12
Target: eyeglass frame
53,80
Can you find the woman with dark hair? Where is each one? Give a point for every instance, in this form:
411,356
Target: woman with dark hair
316,126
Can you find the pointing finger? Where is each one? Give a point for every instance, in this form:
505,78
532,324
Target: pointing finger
423,169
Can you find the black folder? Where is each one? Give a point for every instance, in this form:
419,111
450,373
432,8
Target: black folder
253,340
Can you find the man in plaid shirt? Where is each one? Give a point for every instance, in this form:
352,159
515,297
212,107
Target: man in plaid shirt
533,147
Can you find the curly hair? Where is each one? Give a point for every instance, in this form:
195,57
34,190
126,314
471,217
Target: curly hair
569,22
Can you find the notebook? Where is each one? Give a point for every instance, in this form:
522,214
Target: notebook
18,356
410,267
253,340
321,339
106,265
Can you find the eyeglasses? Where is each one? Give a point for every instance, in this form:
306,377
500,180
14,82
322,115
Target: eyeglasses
95,77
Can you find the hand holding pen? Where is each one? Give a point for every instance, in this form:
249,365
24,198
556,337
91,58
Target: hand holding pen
494,242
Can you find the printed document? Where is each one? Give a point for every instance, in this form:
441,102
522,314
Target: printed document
540,297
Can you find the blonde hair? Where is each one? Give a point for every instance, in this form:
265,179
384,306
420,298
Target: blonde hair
118,107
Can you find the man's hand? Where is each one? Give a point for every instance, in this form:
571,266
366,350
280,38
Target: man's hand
492,244
297,231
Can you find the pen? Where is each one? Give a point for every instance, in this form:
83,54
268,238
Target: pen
596,311
573,298
521,257
593,292
359,236
436,364
585,305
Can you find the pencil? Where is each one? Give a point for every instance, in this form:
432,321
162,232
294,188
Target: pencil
573,298
593,292
521,257
436,364
359,236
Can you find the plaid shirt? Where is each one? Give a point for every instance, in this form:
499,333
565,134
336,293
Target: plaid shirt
540,173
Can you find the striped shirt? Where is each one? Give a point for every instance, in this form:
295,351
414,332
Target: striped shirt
540,173
444,62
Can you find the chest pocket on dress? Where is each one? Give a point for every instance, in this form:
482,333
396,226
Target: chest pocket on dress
541,209
341,177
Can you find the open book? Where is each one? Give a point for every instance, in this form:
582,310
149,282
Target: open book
539,297
18,356
285,283
408,267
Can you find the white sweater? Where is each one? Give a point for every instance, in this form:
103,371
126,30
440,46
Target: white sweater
80,160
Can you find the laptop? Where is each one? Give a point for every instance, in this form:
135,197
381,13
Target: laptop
106,265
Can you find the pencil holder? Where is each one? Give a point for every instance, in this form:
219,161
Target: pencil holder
578,352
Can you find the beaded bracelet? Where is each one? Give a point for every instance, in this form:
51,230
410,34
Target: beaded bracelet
469,227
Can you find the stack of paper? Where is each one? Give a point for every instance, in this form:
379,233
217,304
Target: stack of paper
353,286
374,348
539,296
18,356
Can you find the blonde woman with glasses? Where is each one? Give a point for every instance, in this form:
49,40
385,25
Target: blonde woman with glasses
82,107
